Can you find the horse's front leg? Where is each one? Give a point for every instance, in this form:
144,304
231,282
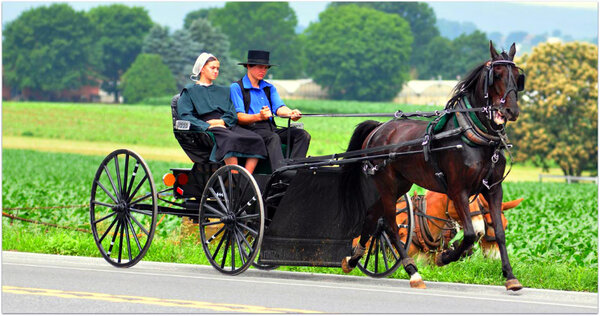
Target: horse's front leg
461,203
494,197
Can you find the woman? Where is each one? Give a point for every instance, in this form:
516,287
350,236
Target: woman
208,107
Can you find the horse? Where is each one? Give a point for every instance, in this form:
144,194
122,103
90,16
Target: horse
473,124
438,222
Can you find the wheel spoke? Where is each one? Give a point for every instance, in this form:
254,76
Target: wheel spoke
247,205
103,204
214,194
215,235
211,223
216,212
390,246
244,238
225,250
135,237
133,174
128,239
130,196
112,242
125,174
143,212
225,197
107,230
112,183
121,242
103,218
383,251
118,171
145,196
106,191
254,232
139,225
214,255
376,254
369,252
241,196
249,216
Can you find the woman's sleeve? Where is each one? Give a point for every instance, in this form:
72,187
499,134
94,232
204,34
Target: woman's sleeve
185,109
230,116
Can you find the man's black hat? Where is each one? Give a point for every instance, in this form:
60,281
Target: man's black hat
257,57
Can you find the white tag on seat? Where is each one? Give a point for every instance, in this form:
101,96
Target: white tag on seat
182,125
298,125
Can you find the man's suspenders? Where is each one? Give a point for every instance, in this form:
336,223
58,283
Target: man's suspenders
246,95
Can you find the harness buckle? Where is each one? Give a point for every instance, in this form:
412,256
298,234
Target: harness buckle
485,183
398,114
495,157
425,140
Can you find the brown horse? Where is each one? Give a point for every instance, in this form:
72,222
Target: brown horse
441,222
473,124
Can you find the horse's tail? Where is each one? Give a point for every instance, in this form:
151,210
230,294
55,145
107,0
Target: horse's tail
350,189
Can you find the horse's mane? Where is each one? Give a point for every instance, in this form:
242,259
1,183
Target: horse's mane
467,86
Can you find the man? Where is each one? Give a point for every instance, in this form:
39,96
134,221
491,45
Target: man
256,100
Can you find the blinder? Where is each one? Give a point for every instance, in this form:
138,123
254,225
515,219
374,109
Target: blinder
490,74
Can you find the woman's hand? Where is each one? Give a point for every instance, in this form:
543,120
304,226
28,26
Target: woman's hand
216,123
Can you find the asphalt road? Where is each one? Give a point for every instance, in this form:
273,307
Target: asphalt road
38,283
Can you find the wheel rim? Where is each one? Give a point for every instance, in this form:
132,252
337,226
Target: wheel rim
231,219
381,258
123,208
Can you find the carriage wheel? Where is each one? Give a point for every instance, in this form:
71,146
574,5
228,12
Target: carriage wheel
266,267
231,219
123,208
381,258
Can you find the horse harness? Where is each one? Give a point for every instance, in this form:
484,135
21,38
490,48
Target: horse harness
424,238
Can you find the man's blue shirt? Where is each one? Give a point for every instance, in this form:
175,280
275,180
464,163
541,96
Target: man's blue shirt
258,98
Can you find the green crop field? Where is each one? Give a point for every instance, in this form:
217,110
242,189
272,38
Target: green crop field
51,152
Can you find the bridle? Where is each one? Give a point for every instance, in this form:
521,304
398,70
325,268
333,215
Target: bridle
514,84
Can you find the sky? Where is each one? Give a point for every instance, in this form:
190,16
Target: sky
576,18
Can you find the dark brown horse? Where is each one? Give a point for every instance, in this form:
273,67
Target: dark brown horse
481,105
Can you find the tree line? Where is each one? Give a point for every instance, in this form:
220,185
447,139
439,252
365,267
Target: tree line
358,51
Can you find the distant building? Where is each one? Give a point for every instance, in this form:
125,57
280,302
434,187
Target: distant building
299,89
426,92
421,92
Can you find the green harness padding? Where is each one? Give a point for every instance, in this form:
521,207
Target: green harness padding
444,120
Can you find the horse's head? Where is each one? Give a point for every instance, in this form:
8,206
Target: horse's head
502,82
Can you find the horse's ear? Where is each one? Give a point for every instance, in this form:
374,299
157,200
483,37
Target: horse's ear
512,51
493,52
511,204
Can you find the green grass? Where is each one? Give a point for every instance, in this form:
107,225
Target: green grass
551,237
151,125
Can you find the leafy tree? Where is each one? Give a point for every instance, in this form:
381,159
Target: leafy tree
559,109
262,25
364,58
48,49
438,65
195,15
121,32
178,51
468,50
212,40
147,77
422,22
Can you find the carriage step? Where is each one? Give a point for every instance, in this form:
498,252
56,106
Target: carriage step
304,251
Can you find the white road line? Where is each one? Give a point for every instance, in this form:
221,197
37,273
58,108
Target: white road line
346,287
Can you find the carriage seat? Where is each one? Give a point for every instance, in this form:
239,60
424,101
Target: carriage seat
197,145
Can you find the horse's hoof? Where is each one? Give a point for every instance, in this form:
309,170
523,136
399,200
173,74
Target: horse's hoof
416,281
513,285
345,267
438,260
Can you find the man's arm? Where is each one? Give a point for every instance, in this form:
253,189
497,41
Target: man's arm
284,111
247,119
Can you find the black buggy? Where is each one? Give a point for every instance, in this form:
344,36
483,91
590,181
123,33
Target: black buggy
277,217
